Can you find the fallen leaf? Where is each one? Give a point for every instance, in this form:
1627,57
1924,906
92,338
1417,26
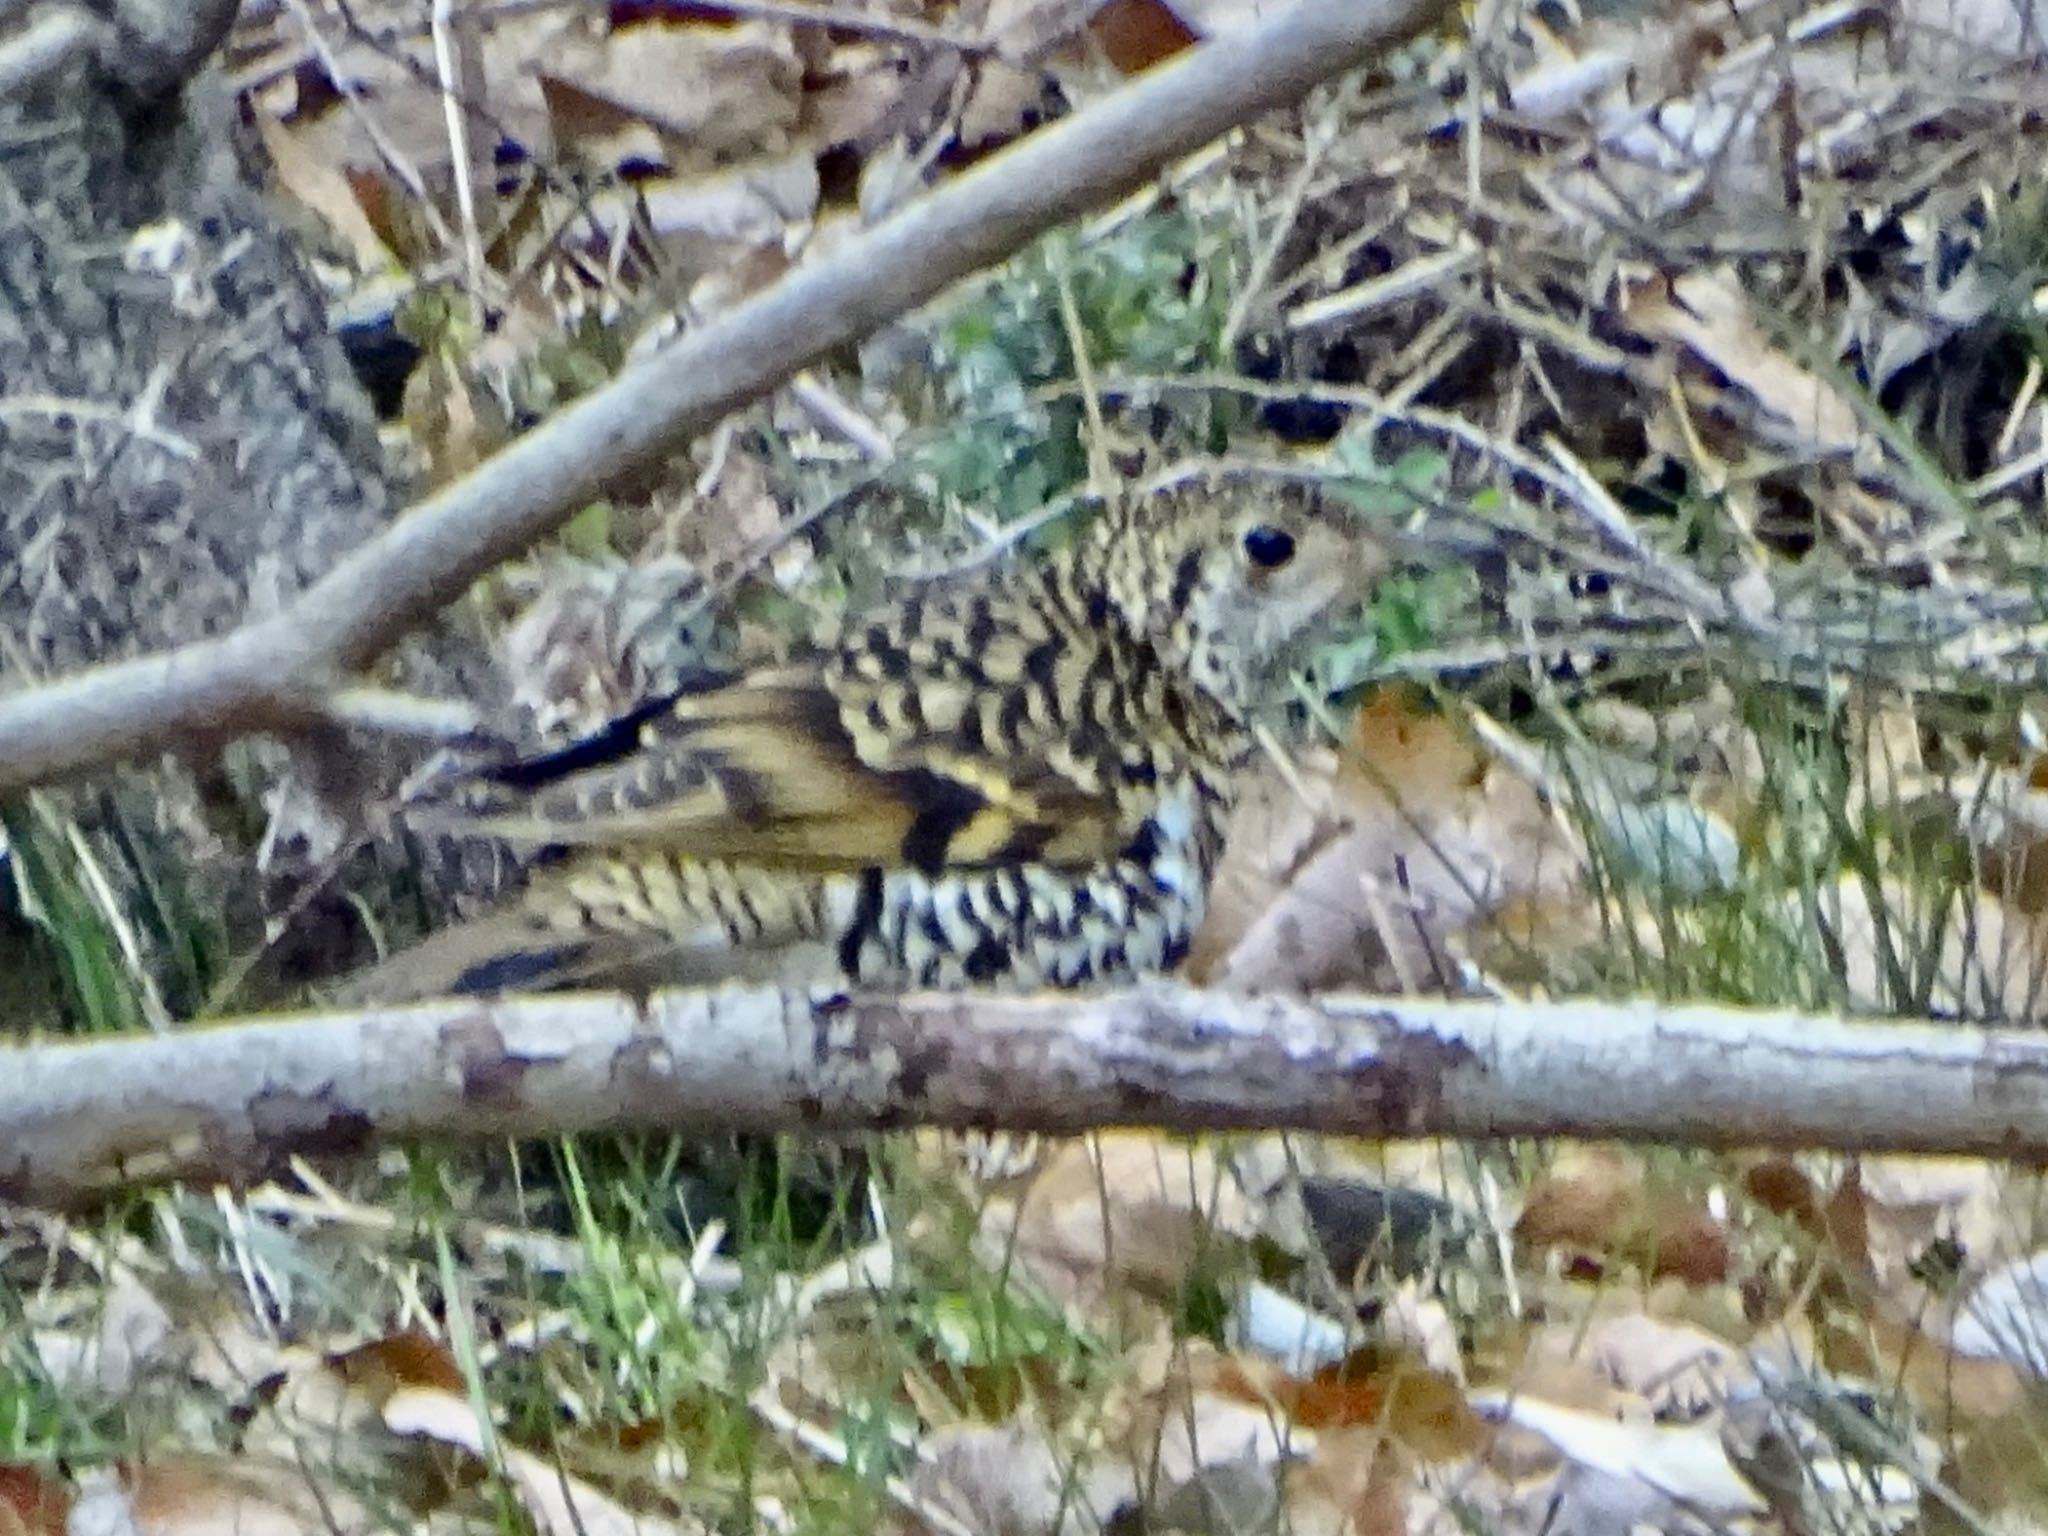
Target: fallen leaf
1136,34
325,189
394,80
1685,1465
130,1333
752,205
1116,1218
218,1496
1192,1406
709,91
1599,1202
1398,847
1000,105
1359,1482
1706,313
1911,1201
1678,1369
558,1503
398,1362
1945,1385
1998,1469
1008,1480
33,1502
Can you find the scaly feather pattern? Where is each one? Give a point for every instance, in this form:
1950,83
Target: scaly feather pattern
1020,779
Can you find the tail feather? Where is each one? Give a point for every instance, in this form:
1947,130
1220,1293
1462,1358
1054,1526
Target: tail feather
625,923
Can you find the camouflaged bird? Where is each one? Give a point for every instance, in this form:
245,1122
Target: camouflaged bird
1019,780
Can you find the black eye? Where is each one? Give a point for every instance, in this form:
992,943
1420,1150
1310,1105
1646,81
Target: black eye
1268,546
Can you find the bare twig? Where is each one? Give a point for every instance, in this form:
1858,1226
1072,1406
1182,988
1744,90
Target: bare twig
457,63
235,1101
395,159
268,675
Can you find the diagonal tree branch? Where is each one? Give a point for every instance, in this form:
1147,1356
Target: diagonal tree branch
271,674
232,1101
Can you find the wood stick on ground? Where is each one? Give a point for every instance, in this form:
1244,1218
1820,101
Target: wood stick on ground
271,674
232,1101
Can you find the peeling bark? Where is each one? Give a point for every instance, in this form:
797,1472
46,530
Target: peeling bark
231,1102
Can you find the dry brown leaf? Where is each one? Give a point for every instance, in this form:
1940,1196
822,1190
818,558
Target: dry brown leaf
1356,1482
335,1401
395,1363
1556,1362
854,109
1680,1370
1118,1219
220,1496
1706,313
1387,1386
1008,1480
999,105
395,79
1597,1203
1832,1217
2002,812
758,204
1402,845
1885,1344
1641,1473
598,132
1999,1470
129,1333
1136,34
1190,1406
455,422
709,91
32,1501
1913,1201
734,512
558,1504
327,191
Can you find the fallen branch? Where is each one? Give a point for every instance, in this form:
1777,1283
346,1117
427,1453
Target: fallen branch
230,1102
274,674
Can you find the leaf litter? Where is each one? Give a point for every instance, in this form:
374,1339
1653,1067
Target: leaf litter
1714,334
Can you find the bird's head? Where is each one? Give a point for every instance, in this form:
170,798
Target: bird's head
1224,572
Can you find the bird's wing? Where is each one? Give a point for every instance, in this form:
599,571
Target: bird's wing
917,754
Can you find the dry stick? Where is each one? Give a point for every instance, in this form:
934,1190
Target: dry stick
270,674
234,1101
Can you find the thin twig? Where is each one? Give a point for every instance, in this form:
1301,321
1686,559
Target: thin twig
1099,475
455,64
394,158
268,675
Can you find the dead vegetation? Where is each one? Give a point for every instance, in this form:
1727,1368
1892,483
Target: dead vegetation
1694,360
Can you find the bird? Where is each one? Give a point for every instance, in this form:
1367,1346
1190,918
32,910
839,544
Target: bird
1018,779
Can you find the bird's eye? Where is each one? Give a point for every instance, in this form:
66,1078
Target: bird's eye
1268,547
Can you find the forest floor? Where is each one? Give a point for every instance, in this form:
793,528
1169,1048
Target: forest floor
1692,364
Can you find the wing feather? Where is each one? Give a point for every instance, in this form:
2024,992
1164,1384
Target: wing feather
835,762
